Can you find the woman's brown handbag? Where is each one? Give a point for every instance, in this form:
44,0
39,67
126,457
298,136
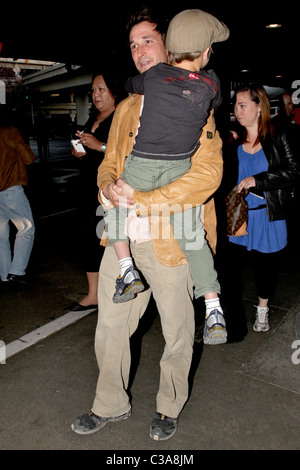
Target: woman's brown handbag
237,213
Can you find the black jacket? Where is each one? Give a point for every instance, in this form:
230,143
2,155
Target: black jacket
281,178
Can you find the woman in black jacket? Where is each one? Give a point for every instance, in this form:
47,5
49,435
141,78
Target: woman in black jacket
267,166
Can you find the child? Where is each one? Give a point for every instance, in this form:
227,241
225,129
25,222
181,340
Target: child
177,102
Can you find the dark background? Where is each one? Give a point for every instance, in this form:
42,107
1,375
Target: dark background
91,32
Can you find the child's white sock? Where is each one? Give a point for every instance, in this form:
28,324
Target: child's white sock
125,263
212,304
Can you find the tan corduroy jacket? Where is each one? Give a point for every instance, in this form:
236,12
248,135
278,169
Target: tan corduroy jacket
194,188
14,156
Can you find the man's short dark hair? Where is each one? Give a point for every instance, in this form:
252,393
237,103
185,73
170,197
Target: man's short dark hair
152,15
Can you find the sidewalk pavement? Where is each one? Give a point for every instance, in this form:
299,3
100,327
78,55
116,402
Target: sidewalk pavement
244,395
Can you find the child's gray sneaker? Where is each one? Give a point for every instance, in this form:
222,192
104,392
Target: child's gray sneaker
127,286
215,328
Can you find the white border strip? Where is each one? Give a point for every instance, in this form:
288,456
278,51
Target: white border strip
43,332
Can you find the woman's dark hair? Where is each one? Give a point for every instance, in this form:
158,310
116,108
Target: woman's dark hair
258,95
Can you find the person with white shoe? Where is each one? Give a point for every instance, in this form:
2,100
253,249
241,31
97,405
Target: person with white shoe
268,167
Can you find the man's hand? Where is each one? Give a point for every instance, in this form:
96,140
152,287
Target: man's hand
119,193
125,190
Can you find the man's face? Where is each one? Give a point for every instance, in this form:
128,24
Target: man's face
146,45
288,104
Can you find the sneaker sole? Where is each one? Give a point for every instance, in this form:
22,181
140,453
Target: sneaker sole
115,419
129,293
217,336
261,330
157,438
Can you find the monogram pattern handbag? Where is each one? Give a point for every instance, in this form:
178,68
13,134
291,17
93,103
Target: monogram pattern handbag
237,212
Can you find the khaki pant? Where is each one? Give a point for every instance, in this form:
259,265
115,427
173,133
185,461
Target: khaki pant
172,291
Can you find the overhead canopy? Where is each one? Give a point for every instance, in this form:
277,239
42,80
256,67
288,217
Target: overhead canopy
91,33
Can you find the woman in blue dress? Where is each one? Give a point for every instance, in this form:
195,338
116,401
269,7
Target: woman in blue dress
268,168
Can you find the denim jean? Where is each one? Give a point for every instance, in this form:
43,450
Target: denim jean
15,207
